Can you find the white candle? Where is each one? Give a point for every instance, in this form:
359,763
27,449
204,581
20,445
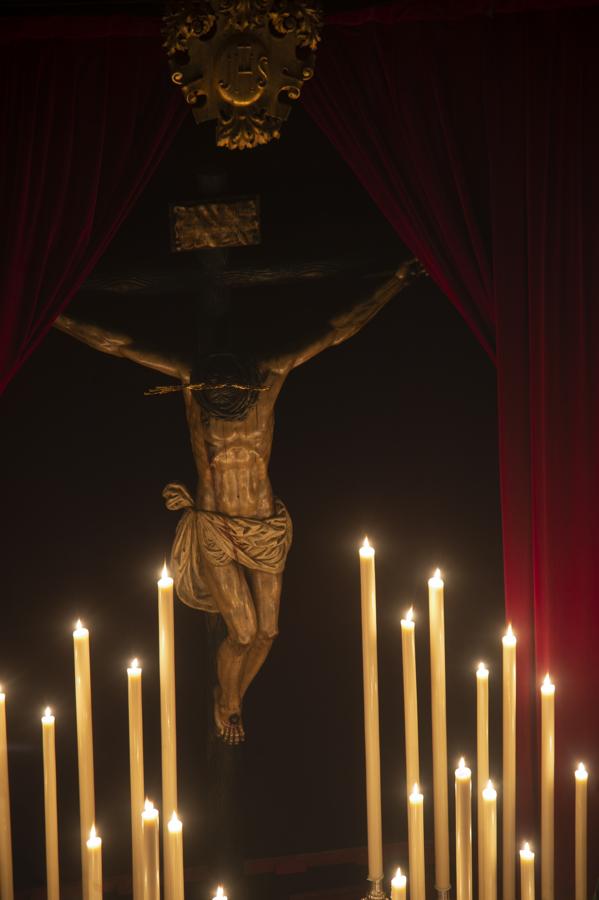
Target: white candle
489,869
482,756
85,753
151,860
581,777
439,731
410,700
398,886
416,844
94,865
547,788
509,765
6,880
168,719
220,894
463,830
371,713
50,806
136,773
527,873
175,837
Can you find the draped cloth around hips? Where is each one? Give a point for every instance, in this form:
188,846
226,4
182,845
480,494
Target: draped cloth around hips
208,536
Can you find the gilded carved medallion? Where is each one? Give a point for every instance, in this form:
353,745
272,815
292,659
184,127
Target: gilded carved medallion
242,62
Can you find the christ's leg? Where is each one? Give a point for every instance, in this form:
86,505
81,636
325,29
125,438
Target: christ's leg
266,590
231,594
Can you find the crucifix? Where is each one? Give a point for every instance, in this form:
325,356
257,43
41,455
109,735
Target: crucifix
234,534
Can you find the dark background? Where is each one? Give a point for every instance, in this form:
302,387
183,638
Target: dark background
392,434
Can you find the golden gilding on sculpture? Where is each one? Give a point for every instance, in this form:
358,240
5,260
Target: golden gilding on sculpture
242,62
222,223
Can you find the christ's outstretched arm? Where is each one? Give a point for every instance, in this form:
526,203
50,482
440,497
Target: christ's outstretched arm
347,323
117,343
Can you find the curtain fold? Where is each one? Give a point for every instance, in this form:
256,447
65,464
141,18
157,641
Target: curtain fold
87,113
479,141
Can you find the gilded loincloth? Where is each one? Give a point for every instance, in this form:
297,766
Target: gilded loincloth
259,544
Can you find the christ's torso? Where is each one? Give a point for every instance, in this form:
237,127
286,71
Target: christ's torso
232,455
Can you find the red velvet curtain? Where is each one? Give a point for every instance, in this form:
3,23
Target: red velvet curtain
479,140
87,113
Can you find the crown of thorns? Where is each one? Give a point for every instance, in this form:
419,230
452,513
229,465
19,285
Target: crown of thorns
201,386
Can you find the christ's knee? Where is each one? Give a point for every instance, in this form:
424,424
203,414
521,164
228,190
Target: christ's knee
267,635
242,636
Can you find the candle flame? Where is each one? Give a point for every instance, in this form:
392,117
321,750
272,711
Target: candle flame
220,891
437,573
47,711
489,792
94,842
462,763
526,852
366,550
410,614
135,663
482,668
78,625
164,573
174,824
416,788
547,681
582,770
148,805
398,880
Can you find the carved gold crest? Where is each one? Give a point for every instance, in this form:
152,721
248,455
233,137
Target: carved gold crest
242,62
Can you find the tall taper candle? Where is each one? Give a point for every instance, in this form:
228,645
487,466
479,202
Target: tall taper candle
482,757
151,859
50,806
399,886
463,831
168,718
489,870
410,700
509,765
94,865
547,788
85,753
136,773
527,873
6,880
371,713
439,731
581,777
416,844
175,836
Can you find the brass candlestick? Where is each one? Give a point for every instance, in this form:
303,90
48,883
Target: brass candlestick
376,892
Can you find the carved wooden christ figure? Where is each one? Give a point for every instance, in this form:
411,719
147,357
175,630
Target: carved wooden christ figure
232,540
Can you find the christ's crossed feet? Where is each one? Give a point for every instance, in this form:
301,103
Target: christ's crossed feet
232,731
229,726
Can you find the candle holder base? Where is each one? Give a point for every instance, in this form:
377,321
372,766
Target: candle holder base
443,893
376,891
